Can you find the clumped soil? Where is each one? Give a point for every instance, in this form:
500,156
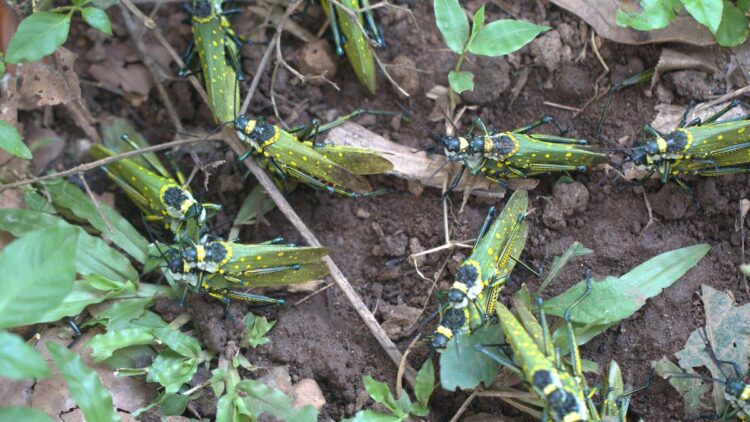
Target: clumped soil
324,339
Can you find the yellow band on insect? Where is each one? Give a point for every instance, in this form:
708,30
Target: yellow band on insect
200,253
745,395
461,287
441,329
249,127
463,144
573,417
185,206
661,144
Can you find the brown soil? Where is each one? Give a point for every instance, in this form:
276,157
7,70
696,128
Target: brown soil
324,339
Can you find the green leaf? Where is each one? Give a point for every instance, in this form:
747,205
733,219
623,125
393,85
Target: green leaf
98,19
171,370
261,398
559,262
37,36
504,36
19,360
123,234
706,12
255,332
92,289
743,5
117,315
103,345
38,272
614,299
168,404
476,23
373,416
84,385
455,373
733,28
380,392
181,343
25,414
653,14
425,383
93,256
10,139
461,81
130,357
453,23
256,204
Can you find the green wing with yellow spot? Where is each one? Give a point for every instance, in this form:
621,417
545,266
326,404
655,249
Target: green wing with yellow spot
142,185
357,160
213,48
298,159
720,142
249,257
498,242
536,154
356,45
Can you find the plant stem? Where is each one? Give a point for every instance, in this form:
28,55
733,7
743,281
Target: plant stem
451,92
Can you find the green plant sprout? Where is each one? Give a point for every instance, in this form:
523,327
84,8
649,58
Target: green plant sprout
495,39
725,19
402,406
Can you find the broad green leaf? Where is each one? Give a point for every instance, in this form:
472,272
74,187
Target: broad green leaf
476,23
425,383
455,373
149,320
614,299
19,360
733,28
168,404
727,341
256,204
653,14
118,314
37,202
691,390
453,23
743,5
38,272
181,343
255,332
11,141
92,289
380,392
559,262
461,81
25,414
404,404
373,416
84,385
172,370
264,399
225,408
123,234
37,36
103,345
706,12
130,357
98,19
93,256
504,36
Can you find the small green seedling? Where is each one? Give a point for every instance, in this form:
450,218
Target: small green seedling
495,39
402,407
43,31
725,19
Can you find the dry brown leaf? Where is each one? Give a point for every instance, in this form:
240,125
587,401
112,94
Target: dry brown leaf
132,79
600,14
668,115
678,59
411,165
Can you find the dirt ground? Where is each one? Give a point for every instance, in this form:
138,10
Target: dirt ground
324,339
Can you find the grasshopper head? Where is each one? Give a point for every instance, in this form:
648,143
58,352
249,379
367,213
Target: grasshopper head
439,341
639,154
196,212
453,146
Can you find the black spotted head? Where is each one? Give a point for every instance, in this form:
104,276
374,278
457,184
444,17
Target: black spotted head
454,146
440,340
196,212
477,144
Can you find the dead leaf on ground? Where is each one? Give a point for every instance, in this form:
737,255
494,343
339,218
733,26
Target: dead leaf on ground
132,78
669,115
49,82
600,14
46,145
416,165
679,59
726,332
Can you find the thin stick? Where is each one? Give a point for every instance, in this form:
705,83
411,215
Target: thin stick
98,163
464,406
152,68
356,302
259,72
724,98
596,51
402,366
313,294
562,106
96,203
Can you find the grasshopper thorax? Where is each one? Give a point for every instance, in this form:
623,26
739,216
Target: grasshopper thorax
258,133
468,284
202,10
181,205
450,322
672,143
454,146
